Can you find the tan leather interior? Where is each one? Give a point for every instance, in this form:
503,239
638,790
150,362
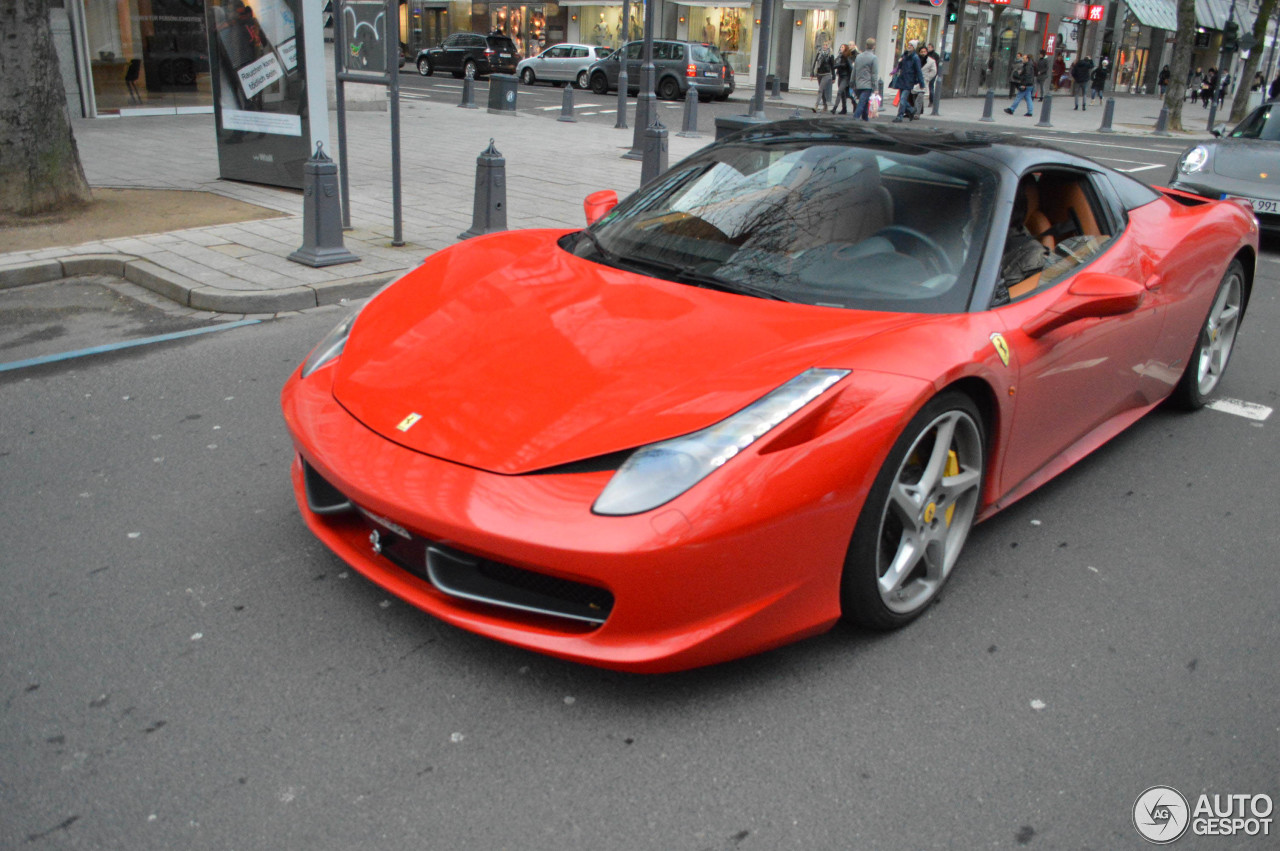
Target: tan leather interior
1036,221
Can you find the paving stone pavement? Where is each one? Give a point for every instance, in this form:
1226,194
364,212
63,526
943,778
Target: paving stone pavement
244,267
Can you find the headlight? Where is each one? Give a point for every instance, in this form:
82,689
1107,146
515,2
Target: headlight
332,344
660,472
330,347
1194,160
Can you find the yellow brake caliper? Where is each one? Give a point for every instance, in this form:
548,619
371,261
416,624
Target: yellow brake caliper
952,468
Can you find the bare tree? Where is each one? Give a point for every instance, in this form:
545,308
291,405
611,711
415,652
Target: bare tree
1181,65
1240,105
40,167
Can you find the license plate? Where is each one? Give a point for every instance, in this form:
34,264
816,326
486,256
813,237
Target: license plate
504,55
1260,205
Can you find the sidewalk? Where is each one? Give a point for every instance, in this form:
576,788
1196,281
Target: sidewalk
551,167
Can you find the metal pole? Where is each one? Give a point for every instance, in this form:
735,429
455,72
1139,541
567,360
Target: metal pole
624,33
393,65
645,106
762,58
341,104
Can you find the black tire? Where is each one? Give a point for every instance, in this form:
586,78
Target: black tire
424,67
916,505
1215,342
469,69
583,80
668,88
600,83
527,77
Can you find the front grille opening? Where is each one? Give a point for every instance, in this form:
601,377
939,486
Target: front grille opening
485,581
323,497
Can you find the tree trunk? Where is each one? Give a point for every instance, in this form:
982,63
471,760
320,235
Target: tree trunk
1181,67
1240,105
40,167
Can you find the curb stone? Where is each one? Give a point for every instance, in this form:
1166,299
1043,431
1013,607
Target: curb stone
190,293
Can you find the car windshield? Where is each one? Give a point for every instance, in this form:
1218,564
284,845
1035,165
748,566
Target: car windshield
1263,123
707,53
867,224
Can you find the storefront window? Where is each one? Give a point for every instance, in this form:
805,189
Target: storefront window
728,29
819,32
425,24
147,54
912,28
602,25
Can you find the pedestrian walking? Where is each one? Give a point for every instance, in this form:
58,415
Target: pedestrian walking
937,63
1024,77
1224,88
1273,93
905,79
1163,80
1042,74
1099,79
929,71
1061,79
1080,72
1194,79
844,73
1208,86
866,70
823,64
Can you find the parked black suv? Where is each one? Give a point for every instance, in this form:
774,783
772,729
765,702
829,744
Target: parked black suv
470,55
676,64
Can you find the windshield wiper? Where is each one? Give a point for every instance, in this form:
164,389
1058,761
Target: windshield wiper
604,253
690,275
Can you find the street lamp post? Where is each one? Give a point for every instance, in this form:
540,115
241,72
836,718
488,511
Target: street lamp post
624,34
646,110
762,58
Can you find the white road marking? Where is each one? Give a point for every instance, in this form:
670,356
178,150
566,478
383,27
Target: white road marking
1109,145
1142,168
547,108
1248,410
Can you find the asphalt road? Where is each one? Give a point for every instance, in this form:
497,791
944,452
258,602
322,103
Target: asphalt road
183,666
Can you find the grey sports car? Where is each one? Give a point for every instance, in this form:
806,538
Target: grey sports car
1244,163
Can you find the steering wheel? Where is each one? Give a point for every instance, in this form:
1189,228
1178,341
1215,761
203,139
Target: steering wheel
941,261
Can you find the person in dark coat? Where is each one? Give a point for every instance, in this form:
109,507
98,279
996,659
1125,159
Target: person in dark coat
908,76
1042,74
823,65
1080,72
1023,76
1273,93
844,73
1099,79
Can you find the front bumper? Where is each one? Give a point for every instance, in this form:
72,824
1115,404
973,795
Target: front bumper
732,567
1218,187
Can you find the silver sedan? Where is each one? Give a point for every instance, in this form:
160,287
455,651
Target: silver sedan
561,63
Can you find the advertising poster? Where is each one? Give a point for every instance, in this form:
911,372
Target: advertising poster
259,91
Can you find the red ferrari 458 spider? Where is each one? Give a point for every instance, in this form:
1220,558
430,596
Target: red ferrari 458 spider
774,387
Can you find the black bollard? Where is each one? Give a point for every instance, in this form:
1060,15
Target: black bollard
489,212
566,104
689,128
1162,123
468,94
1107,114
1213,110
989,106
775,87
321,215
1046,108
655,152
936,95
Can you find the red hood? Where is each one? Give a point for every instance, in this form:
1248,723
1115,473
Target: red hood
519,356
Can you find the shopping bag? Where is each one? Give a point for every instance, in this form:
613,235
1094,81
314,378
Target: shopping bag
873,105
897,97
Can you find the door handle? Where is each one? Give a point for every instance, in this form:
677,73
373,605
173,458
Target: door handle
1154,283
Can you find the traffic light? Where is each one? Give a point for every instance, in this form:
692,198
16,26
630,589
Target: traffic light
952,7
1230,37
